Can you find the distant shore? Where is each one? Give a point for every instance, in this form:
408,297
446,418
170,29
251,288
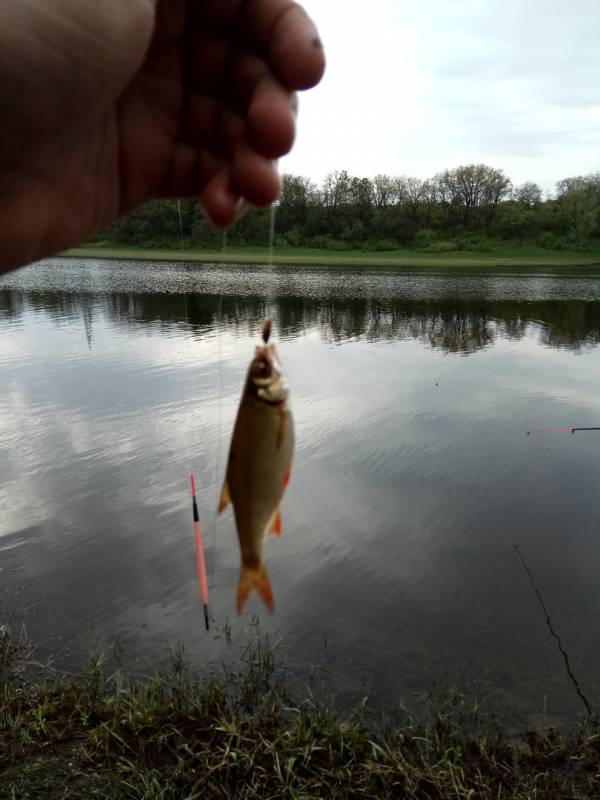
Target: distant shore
510,256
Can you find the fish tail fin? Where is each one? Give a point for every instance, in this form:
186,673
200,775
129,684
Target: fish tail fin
254,578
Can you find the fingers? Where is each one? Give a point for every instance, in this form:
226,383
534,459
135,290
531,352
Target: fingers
206,62
283,30
250,180
189,171
223,133
279,51
268,106
255,177
169,22
271,119
243,78
232,189
208,124
220,203
279,30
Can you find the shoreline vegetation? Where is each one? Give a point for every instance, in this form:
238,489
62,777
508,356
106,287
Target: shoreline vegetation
500,256
241,735
472,215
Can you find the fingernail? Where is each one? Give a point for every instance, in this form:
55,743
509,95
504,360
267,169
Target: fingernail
241,207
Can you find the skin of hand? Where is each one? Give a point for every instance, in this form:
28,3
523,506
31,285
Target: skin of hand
105,105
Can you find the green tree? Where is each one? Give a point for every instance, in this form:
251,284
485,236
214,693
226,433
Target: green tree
384,191
518,222
471,194
297,193
578,199
528,195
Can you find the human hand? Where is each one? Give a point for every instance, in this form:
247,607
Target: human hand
108,105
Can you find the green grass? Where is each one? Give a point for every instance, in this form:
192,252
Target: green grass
528,256
180,737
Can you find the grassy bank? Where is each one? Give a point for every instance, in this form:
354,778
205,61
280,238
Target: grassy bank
97,735
529,256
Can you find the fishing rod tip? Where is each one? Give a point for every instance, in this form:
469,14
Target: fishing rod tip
206,622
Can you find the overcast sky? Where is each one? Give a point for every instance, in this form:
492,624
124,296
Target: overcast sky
416,86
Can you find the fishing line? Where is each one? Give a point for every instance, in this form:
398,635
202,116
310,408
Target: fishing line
180,223
185,303
269,301
271,233
219,324
217,470
219,402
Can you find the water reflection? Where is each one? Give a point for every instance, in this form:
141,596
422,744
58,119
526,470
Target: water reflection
413,477
451,324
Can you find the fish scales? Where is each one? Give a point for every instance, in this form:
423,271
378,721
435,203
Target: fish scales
259,465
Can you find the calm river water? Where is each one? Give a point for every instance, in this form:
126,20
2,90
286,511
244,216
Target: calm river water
413,477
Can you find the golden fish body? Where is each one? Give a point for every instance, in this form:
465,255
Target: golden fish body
258,468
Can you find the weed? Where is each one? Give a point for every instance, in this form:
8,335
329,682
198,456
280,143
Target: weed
181,736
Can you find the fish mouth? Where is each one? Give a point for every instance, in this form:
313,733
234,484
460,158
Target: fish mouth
265,373
276,402
275,394
272,398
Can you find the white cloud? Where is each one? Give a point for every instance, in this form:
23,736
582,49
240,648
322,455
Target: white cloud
414,88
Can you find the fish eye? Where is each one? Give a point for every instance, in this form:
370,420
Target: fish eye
262,370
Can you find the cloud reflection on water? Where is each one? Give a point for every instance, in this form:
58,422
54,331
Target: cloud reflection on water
412,481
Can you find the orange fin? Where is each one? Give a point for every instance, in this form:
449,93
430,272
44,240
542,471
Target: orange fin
275,524
254,578
225,497
287,476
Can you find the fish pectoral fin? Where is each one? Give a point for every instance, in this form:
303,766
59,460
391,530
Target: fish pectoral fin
225,497
287,476
274,525
254,578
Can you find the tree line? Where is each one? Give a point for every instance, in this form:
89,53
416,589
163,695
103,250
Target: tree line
470,207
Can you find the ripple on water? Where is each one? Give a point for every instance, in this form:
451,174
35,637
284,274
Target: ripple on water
407,496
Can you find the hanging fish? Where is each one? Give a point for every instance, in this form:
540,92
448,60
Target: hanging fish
258,469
